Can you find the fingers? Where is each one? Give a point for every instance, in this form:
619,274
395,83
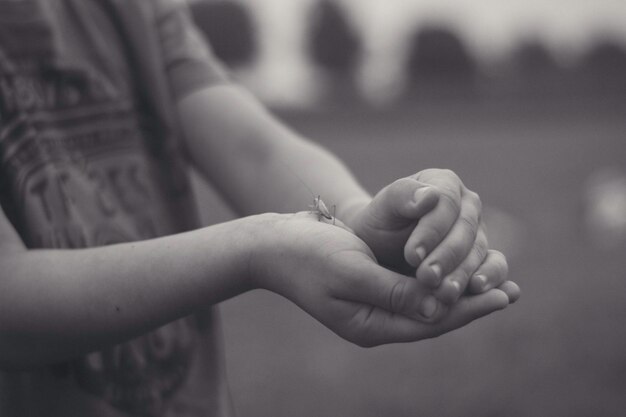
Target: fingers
373,326
404,201
393,292
431,229
434,226
454,246
455,284
512,290
412,199
490,274
390,308
472,307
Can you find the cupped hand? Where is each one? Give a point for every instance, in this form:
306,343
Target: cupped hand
430,224
334,276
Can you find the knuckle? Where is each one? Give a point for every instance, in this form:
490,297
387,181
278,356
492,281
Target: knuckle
481,236
397,298
432,237
454,178
429,233
399,186
426,173
448,172
480,250
451,200
470,224
402,182
391,188
451,255
475,200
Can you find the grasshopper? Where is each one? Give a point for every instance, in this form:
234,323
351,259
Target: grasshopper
318,207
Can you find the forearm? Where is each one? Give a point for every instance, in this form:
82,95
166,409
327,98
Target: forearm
55,304
300,170
256,162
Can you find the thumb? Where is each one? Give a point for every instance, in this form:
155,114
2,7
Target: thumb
404,201
395,293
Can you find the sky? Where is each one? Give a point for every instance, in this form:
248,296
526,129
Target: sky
490,28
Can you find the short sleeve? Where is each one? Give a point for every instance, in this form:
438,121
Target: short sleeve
189,61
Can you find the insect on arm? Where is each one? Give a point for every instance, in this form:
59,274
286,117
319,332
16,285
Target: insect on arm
320,208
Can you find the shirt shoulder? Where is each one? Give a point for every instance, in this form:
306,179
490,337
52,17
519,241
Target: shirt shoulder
186,56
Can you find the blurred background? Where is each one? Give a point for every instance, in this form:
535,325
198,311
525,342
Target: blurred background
526,101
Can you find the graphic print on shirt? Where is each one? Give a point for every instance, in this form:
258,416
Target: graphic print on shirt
76,171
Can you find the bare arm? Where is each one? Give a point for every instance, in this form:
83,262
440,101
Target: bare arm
55,304
256,162
260,165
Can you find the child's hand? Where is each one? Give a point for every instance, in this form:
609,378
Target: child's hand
333,275
431,221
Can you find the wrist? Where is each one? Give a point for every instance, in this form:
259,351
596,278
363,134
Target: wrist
349,211
263,250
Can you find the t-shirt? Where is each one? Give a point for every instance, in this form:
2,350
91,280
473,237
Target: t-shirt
90,155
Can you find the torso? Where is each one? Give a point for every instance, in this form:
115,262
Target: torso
82,165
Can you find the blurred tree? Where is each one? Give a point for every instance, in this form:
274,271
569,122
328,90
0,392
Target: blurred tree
533,59
334,44
229,29
536,73
604,66
438,55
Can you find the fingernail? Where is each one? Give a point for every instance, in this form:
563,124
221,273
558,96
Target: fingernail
481,281
436,270
456,288
421,253
429,306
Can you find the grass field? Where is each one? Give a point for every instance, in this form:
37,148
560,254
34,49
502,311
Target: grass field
560,352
